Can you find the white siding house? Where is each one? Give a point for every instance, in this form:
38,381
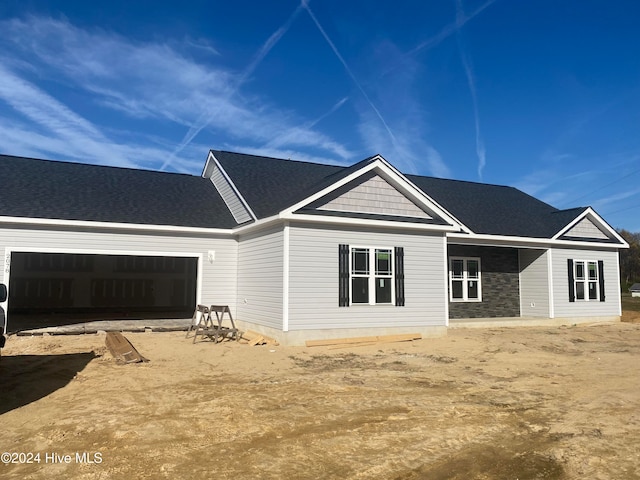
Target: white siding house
299,250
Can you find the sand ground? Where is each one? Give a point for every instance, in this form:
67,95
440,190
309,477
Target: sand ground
511,403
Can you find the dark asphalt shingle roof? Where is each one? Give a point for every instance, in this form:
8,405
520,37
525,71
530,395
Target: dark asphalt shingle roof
270,185
496,209
74,191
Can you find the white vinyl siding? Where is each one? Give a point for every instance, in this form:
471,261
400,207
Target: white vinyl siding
534,283
313,286
260,278
233,202
565,308
216,279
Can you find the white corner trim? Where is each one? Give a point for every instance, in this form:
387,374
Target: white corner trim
618,287
285,277
445,262
552,308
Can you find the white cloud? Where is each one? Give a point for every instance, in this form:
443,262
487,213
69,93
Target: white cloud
141,85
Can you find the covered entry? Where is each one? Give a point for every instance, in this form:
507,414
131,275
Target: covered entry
51,289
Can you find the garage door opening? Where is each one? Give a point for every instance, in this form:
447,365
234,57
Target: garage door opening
53,289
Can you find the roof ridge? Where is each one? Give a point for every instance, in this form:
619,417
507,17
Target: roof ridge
473,182
95,165
264,157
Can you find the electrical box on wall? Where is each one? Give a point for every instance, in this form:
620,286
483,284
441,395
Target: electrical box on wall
211,255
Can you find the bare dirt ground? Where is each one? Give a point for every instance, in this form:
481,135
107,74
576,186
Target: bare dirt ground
512,403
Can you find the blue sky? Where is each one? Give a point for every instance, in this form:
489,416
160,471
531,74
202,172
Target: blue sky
542,95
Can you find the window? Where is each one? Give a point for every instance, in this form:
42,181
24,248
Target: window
586,280
465,280
371,276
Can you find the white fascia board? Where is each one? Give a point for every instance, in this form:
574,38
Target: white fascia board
48,222
365,222
329,219
397,179
530,242
213,158
206,171
601,223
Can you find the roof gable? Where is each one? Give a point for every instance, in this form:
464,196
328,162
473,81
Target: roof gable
588,226
373,190
373,194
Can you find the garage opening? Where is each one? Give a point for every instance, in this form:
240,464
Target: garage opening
52,289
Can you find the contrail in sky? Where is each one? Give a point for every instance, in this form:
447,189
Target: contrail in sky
305,4
466,62
443,34
279,140
206,117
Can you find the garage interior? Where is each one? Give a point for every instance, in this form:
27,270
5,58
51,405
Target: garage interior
54,289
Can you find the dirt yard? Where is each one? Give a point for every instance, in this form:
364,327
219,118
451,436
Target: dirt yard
521,403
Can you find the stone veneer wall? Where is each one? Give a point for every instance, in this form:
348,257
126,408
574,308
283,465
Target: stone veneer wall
500,283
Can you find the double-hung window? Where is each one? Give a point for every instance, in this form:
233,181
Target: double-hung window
465,279
586,280
371,275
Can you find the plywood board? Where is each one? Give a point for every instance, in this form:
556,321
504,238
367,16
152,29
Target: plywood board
404,337
122,349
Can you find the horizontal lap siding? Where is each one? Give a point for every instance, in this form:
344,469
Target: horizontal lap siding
313,286
218,277
534,283
580,308
260,278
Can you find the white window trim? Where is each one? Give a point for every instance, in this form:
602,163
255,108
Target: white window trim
465,279
585,280
372,274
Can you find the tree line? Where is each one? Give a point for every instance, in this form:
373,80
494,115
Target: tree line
630,260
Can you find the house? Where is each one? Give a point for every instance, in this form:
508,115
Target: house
300,250
635,290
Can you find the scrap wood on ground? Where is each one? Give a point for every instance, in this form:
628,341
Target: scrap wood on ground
334,343
254,338
122,349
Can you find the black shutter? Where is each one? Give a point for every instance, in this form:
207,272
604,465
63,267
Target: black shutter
572,286
601,279
399,271
343,275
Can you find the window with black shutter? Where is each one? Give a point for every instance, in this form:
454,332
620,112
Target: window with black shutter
370,275
586,280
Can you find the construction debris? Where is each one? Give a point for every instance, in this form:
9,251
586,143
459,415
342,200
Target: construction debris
333,343
122,349
255,338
